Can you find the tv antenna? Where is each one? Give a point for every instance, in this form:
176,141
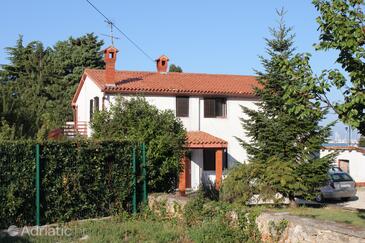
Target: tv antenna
111,36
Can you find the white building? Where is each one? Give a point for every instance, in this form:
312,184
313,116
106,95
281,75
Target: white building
350,159
209,106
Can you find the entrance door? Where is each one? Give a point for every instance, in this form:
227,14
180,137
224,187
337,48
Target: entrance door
344,165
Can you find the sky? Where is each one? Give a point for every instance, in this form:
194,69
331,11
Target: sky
205,36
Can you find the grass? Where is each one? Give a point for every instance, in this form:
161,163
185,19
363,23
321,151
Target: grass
329,213
115,230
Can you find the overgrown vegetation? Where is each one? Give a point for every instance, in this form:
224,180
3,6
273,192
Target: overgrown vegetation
37,85
283,146
215,221
203,221
163,134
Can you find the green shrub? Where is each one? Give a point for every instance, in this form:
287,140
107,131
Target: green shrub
239,185
79,179
213,221
163,133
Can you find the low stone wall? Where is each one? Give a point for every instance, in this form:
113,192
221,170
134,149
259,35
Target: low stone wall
282,227
170,205
274,227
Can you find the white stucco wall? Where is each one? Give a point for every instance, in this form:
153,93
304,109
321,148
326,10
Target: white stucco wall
356,162
229,128
89,91
196,168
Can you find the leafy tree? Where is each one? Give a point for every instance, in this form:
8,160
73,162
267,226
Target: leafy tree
163,133
41,82
6,131
175,69
284,145
69,59
362,141
341,26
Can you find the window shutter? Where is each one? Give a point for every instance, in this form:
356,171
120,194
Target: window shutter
209,107
221,107
182,106
91,110
96,103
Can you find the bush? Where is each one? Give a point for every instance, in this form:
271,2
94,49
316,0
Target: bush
163,133
239,184
79,179
212,221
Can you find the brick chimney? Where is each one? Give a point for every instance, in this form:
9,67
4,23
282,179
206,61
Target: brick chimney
162,63
110,57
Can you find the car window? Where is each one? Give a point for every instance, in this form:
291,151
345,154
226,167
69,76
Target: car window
337,177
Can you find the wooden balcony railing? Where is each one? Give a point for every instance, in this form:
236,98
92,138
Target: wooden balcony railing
71,130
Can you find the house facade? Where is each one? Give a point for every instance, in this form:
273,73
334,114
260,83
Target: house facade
209,105
350,159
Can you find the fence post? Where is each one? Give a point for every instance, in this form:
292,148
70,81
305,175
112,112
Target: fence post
134,176
37,178
144,173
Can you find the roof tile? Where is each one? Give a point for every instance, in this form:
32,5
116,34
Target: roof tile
176,83
198,139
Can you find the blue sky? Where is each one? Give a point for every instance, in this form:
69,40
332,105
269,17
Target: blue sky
201,36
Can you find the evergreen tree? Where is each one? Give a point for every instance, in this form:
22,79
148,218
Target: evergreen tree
283,145
42,81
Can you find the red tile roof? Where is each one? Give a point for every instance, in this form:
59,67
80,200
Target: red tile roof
175,83
350,148
200,139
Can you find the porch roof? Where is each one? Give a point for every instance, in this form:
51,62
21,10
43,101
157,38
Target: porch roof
199,139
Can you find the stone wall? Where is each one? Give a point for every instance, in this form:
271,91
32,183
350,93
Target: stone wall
301,229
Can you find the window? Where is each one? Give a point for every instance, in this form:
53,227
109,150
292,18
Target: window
91,110
96,104
111,55
182,106
215,107
209,159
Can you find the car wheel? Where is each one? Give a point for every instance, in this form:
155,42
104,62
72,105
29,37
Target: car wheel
319,198
346,198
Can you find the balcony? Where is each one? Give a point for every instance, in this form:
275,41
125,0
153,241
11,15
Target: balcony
72,129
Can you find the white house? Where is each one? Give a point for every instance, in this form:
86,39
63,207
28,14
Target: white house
209,106
350,159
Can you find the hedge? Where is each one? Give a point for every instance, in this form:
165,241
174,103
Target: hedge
79,179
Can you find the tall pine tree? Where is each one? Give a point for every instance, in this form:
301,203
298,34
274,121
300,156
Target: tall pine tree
38,83
284,146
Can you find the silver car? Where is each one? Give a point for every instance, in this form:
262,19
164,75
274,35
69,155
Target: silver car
339,186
